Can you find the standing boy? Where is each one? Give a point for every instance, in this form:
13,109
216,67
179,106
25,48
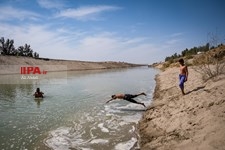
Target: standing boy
183,76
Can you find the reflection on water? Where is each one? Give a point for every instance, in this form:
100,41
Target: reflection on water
9,92
74,115
38,101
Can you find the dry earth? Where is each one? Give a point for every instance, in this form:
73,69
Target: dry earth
8,64
195,121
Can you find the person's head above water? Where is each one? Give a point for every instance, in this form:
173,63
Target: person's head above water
38,90
113,96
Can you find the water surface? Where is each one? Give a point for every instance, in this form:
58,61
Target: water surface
74,115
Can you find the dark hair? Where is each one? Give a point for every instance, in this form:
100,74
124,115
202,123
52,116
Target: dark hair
113,96
181,60
38,90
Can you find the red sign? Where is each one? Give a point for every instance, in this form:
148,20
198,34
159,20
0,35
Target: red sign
31,70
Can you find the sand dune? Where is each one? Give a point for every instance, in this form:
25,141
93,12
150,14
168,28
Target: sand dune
193,121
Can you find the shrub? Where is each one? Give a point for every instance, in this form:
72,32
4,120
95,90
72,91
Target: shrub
210,64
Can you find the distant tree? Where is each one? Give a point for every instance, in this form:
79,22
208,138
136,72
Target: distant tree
183,53
212,47
220,45
36,55
14,52
25,51
213,40
207,47
167,58
175,55
2,42
28,51
7,47
21,51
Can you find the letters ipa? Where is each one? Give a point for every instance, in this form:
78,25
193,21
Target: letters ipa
31,70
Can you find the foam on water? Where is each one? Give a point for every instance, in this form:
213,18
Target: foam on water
103,129
126,145
98,128
99,141
59,140
111,124
64,138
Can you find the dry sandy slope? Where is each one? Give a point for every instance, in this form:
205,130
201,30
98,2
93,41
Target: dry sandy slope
7,62
195,121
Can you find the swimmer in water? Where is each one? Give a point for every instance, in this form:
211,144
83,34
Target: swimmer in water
127,97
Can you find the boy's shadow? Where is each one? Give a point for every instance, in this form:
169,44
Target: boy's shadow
196,89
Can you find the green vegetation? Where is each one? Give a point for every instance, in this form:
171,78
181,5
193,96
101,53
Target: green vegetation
188,53
209,62
7,48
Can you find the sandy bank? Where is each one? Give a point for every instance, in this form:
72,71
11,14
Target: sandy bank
7,62
194,121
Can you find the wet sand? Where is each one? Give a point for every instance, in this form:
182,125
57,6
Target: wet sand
193,121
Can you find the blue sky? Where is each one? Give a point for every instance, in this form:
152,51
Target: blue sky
136,31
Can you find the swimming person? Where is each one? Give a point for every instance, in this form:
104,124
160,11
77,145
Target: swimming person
183,76
38,93
127,97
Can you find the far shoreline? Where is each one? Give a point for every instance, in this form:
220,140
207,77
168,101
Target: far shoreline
71,65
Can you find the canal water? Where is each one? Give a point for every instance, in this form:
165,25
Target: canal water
74,115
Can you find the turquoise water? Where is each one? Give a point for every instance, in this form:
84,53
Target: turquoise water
74,115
